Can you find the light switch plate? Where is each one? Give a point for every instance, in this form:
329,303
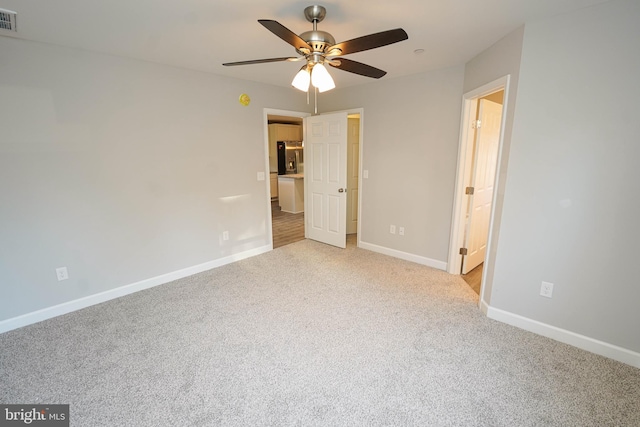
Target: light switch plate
260,176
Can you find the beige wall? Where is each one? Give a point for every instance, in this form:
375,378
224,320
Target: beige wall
570,203
409,148
121,171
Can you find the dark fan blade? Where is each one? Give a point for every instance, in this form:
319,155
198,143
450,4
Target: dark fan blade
285,34
359,68
371,41
258,61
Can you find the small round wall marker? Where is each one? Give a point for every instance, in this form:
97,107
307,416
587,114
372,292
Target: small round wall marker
244,99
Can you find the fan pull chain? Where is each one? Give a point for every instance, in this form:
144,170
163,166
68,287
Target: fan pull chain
315,99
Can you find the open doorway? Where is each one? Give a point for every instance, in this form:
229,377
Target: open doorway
479,157
282,227
353,173
286,190
479,187
286,172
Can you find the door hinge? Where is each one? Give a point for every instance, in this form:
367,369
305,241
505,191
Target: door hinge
463,251
476,124
469,191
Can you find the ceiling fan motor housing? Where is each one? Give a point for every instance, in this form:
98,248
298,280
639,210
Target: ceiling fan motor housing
318,40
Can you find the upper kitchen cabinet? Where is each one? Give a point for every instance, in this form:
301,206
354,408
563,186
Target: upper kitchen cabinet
285,132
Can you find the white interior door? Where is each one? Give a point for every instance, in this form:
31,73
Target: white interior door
483,178
326,178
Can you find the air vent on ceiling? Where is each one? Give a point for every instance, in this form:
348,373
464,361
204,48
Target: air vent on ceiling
8,20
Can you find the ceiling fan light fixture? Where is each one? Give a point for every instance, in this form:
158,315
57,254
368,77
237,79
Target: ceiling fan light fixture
302,79
321,79
319,48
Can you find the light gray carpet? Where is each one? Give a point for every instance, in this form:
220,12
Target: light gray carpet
310,335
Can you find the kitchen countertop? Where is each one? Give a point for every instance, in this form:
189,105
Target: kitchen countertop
292,176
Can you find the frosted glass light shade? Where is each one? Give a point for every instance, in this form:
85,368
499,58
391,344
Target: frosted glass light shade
321,78
302,79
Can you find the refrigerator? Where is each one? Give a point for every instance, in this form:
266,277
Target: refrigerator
290,157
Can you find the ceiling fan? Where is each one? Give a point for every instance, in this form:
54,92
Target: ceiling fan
319,48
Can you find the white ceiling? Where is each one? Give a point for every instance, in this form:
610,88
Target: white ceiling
201,35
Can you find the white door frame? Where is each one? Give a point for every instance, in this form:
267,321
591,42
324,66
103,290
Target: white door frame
465,151
266,112
359,111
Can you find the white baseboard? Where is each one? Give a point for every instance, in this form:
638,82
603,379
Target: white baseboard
440,265
585,343
68,307
484,307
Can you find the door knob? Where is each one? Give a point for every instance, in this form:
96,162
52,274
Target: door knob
341,190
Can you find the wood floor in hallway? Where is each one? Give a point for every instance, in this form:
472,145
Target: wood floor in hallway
474,278
287,227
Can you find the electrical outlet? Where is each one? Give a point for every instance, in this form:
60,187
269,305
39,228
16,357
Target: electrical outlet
225,235
62,273
401,231
365,174
260,176
392,229
546,289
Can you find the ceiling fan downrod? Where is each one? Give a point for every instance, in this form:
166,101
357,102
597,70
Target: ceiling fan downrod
318,40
